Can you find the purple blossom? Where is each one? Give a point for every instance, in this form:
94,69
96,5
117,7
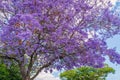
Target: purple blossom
40,35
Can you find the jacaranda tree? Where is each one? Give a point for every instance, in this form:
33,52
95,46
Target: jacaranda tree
55,34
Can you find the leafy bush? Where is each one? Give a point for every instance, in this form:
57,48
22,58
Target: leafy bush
87,73
9,72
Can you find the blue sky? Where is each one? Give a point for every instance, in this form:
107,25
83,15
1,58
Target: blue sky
114,42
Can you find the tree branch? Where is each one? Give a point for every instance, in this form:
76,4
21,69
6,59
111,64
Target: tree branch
41,68
47,65
8,57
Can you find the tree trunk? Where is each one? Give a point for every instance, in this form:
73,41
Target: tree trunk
27,78
24,74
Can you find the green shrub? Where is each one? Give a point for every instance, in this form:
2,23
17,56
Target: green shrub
87,73
9,72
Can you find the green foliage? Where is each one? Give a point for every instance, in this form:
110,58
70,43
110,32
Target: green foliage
9,72
3,72
87,73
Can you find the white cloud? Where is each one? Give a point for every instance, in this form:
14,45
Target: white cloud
113,1
46,76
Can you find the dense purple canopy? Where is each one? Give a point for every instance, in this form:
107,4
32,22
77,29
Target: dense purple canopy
47,34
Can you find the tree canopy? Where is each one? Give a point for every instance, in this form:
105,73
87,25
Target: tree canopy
87,73
55,34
